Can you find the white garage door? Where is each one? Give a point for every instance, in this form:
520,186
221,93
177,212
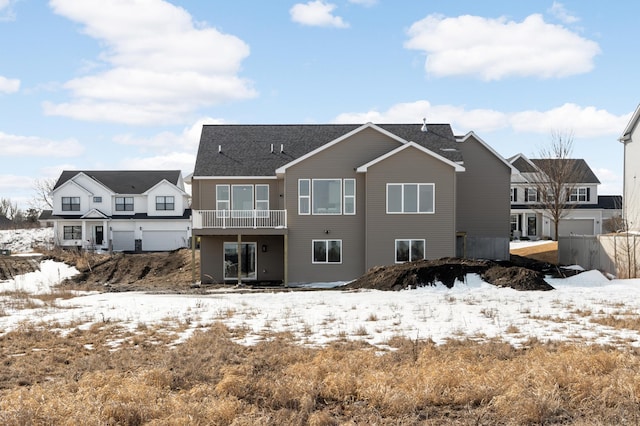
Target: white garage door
123,241
163,240
576,227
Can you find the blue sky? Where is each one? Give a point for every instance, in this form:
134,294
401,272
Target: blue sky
127,84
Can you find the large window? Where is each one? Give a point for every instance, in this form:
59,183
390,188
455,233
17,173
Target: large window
245,263
72,232
223,197
165,203
241,197
408,198
326,196
409,250
327,251
530,195
124,204
579,195
70,204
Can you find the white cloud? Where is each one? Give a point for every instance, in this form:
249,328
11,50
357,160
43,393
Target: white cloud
560,12
611,182
9,85
166,141
316,14
171,161
6,10
33,146
493,49
479,120
161,66
583,122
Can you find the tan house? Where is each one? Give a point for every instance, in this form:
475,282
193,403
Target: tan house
324,203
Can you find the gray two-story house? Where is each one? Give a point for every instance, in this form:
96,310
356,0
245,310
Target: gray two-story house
324,203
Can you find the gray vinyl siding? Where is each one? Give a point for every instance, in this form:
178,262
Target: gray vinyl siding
483,193
382,229
204,192
270,264
483,202
338,161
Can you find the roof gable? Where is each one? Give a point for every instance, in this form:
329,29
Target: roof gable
472,134
162,183
124,181
260,150
364,168
626,135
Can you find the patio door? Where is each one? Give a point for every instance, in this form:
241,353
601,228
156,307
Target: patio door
245,262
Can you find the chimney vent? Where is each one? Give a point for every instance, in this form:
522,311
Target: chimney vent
219,149
281,148
424,126
272,148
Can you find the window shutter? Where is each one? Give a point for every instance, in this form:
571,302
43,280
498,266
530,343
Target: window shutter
588,194
526,195
515,195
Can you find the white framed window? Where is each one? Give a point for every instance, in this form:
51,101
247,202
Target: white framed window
70,204
223,200
514,195
97,199
410,198
124,204
304,196
326,251
531,195
326,196
72,232
262,197
579,194
409,250
165,202
349,196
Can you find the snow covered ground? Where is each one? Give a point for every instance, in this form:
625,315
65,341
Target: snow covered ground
473,309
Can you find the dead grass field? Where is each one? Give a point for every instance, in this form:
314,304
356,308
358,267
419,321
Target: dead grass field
546,252
50,378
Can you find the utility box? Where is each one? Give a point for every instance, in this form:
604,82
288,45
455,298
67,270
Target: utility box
5,252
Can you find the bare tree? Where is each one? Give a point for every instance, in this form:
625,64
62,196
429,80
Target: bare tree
43,188
8,209
558,177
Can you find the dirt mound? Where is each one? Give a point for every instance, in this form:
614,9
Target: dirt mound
10,266
158,272
448,270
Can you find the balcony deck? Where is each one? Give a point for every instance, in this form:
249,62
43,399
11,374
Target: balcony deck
239,219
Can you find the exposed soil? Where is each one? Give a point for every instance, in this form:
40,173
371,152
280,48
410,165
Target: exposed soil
520,274
171,272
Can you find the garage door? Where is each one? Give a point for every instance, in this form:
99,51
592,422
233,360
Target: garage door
123,241
163,240
576,227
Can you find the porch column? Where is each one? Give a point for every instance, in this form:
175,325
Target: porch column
239,259
286,260
84,243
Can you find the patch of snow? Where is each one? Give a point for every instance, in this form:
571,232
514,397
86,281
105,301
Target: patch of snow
23,240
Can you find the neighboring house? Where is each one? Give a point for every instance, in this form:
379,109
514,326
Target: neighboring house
324,203
584,216
120,210
631,186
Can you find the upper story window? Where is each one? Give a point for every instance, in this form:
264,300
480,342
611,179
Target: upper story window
530,195
327,196
242,197
124,204
410,198
165,202
514,195
579,194
70,204
97,199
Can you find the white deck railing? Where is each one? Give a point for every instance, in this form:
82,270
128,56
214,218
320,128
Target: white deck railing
242,219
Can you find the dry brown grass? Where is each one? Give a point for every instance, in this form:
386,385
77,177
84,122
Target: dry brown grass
546,252
47,378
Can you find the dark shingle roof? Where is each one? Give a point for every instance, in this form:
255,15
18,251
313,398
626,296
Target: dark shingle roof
523,165
246,149
124,181
612,202
580,167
